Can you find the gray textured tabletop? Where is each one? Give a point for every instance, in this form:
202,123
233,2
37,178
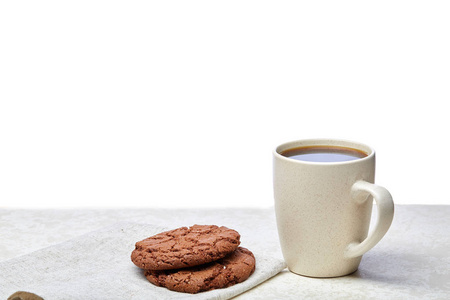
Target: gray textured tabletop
411,262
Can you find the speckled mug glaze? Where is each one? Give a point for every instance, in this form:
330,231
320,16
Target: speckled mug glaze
323,210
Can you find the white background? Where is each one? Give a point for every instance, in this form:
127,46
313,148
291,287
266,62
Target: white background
180,103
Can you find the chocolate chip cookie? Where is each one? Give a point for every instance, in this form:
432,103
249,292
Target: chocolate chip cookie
234,268
185,247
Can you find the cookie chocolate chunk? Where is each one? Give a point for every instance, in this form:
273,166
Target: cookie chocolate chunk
185,247
234,268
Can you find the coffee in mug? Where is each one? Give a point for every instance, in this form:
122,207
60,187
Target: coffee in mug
323,190
323,153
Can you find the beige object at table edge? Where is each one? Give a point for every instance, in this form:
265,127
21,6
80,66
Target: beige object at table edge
323,210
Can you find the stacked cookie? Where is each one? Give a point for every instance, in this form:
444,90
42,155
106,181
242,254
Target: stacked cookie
194,259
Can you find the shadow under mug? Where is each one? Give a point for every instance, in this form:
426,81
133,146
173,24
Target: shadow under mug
323,209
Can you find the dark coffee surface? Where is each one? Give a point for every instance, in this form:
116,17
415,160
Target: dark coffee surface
324,154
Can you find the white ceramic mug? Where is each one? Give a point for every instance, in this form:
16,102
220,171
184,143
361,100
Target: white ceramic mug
323,209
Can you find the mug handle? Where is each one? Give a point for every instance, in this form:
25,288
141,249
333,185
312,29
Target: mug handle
385,206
